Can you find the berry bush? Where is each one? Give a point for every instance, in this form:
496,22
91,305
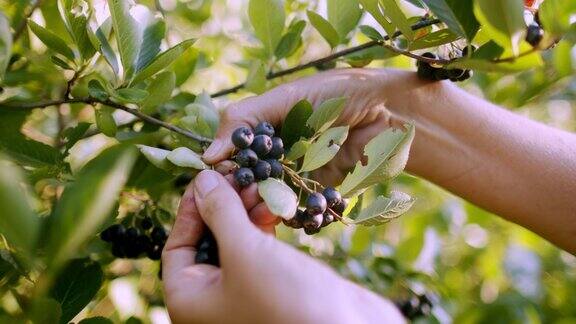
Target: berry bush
106,107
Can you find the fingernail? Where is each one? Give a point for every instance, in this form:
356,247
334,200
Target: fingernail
213,149
205,182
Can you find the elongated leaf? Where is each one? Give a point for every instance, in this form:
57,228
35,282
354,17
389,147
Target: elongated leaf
45,310
150,47
87,203
397,17
324,27
434,39
458,15
279,198
105,120
384,209
128,33
325,148
104,47
51,40
131,95
344,15
97,90
162,61
291,40
75,14
158,157
76,286
159,91
522,63
185,65
267,18
72,135
387,156
374,9
186,158
256,78
502,20
5,45
371,32
326,114
18,223
555,15
294,126
298,150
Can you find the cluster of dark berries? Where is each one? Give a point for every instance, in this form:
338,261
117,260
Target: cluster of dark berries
428,72
317,213
258,152
415,307
134,241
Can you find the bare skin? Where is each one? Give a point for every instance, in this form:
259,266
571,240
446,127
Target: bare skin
519,169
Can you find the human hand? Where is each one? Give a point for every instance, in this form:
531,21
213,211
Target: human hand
261,280
374,101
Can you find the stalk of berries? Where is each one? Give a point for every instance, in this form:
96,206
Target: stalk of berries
428,72
134,241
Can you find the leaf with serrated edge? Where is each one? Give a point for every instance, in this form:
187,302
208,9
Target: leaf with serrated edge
279,198
384,209
325,148
158,157
326,114
186,158
387,156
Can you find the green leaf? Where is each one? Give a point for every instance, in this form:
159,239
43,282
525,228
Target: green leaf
76,285
502,20
562,59
150,47
343,15
51,40
202,119
555,15
45,310
105,120
185,65
520,64
75,14
298,150
458,15
294,126
397,17
325,29
18,223
160,91
162,61
96,320
267,18
371,32
325,148
186,158
72,135
279,198
373,7
104,47
97,90
5,45
488,51
158,157
384,209
387,156
434,39
128,33
256,78
131,95
291,40
326,114
87,203
61,63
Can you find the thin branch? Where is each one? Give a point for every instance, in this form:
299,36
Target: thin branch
329,58
22,26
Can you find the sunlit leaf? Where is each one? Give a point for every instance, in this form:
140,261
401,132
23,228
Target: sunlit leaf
159,91
267,18
397,17
325,148
458,15
343,15
162,61
279,198
324,27
186,158
294,126
51,40
384,209
503,20
291,40
437,38
5,44
326,114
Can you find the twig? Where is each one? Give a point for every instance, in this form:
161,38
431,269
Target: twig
329,58
22,26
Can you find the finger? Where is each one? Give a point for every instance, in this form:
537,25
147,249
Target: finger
179,250
222,210
261,216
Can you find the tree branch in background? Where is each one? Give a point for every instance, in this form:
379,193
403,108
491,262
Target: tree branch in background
22,26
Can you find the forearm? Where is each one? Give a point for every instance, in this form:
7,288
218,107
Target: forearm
517,168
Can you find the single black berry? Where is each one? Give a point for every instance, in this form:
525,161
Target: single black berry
534,34
113,233
312,221
118,250
242,137
467,75
465,50
316,204
425,70
146,223
132,233
262,170
158,235
246,158
441,74
455,74
264,128
327,219
276,170
154,252
277,148
311,231
262,145
132,250
297,221
143,243
244,177
340,207
332,196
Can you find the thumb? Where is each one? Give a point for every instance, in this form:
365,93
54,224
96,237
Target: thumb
223,211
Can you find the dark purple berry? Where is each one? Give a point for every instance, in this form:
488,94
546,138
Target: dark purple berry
332,196
312,221
244,177
441,74
242,137
534,34
262,145
118,250
146,223
264,128
316,204
158,235
455,74
465,50
246,158
340,207
132,233
154,252
467,75
276,170
277,148
327,219
143,243
311,231
262,170
297,221
113,233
